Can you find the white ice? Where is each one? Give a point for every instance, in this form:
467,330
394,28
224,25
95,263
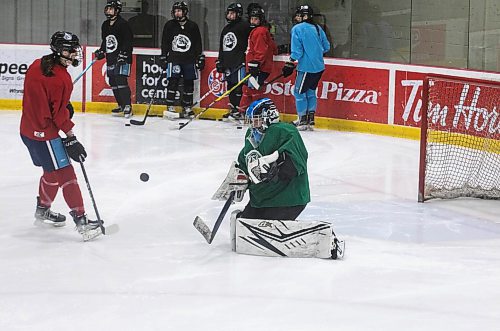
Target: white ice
408,266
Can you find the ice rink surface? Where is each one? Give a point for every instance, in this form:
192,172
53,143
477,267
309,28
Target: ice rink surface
408,266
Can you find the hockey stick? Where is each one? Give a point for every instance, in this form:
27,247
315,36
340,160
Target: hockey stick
203,228
256,84
273,80
182,125
143,121
84,71
110,229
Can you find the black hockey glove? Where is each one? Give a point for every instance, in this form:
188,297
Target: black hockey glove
75,149
100,54
122,58
254,68
288,69
286,167
219,67
70,109
200,62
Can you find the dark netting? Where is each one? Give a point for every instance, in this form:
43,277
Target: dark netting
463,140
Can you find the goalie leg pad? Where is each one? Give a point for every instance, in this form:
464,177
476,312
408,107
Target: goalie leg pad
285,238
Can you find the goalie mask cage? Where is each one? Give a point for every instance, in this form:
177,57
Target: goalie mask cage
460,139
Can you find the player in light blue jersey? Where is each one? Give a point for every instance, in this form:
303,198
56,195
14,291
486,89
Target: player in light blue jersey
309,43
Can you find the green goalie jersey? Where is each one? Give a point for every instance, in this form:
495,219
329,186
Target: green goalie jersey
284,138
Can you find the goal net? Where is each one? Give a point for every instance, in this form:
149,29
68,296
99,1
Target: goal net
460,139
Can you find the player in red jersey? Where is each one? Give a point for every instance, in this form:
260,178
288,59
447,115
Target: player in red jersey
47,90
259,58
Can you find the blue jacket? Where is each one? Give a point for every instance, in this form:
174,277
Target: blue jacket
308,45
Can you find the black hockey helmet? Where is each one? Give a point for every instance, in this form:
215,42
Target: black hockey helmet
251,6
304,10
66,41
182,5
237,8
259,13
116,4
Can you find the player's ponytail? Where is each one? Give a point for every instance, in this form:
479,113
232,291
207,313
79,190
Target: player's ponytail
48,63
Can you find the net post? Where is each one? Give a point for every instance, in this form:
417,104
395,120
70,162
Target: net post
423,140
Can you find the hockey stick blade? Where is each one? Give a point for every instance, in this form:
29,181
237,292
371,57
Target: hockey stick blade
204,229
137,122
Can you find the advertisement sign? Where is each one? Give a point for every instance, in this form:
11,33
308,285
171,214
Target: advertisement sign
15,61
150,79
343,92
408,98
464,107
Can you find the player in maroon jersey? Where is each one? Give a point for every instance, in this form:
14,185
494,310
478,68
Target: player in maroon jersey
47,90
259,58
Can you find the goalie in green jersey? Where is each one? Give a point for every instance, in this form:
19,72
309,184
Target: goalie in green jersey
275,159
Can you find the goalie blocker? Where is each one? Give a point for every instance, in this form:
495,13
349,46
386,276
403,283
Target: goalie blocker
285,238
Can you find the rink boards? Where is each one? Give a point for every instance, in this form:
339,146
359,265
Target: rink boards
361,96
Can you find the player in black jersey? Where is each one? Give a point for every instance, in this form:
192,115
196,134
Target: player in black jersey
232,47
181,54
116,46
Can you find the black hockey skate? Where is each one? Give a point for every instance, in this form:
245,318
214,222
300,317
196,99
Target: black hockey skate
187,112
310,121
87,228
301,123
43,215
117,111
127,111
234,115
338,248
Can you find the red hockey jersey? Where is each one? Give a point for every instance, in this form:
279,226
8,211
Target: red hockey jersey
44,103
261,48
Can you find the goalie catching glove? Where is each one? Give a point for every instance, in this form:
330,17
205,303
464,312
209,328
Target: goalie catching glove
263,169
235,181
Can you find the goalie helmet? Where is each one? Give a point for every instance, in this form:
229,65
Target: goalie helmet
261,114
237,8
66,41
182,5
116,4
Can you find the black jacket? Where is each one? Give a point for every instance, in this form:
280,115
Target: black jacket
117,38
233,43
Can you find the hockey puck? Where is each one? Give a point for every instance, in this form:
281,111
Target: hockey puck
127,124
239,127
144,177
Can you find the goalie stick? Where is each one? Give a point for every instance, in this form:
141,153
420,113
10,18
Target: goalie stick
182,125
203,228
105,230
